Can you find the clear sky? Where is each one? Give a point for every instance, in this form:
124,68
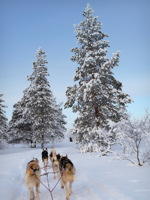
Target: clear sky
26,25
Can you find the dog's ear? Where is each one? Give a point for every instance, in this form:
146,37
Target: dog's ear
66,156
58,157
34,159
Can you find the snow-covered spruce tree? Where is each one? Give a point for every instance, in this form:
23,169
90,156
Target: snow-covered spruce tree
97,95
3,122
41,108
134,137
57,124
20,126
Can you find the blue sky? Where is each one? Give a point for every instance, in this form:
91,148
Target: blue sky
27,25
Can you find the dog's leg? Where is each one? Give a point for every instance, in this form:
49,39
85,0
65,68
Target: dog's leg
32,197
67,190
70,188
44,163
37,190
57,173
54,172
61,182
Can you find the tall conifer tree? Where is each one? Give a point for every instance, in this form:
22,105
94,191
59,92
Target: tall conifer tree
20,126
3,121
41,107
36,117
97,96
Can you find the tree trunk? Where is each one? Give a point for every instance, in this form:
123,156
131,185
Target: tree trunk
96,107
96,115
96,111
138,159
42,116
139,163
42,143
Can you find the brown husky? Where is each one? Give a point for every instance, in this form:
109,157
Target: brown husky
32,178
55,161
67,172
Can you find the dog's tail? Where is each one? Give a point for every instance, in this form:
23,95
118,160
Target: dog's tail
74,178
70,170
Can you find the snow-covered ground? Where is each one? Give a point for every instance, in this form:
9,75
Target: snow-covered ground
98,178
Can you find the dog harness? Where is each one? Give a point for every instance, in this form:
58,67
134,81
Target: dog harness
34,170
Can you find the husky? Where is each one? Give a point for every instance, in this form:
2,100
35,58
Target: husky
67,173
32,178
55,162
52,155
45,157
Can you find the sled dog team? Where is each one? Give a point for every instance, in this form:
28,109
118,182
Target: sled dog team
61,166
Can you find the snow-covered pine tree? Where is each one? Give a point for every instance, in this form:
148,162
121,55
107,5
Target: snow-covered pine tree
97,96
20,126
59,122
41,107
57,129
3,122
60,125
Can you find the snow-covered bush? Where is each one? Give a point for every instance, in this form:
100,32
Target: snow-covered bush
3,144
101,144
134,137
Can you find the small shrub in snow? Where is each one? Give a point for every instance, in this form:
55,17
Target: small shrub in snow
134,137
3,144
102,143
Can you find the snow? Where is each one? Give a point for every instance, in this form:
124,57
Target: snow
98,178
